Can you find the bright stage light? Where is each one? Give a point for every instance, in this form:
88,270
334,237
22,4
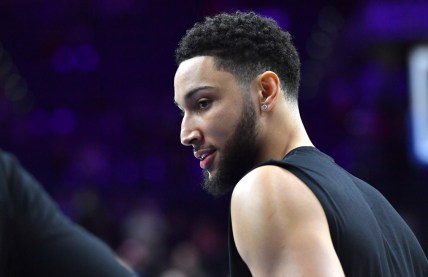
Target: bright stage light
418,67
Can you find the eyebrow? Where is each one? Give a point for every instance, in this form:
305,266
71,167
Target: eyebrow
192,92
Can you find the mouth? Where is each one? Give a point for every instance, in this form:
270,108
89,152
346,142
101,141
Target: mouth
205,157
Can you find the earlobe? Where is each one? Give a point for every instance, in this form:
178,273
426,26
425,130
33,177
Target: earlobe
264,107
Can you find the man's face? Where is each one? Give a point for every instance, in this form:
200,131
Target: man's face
218,122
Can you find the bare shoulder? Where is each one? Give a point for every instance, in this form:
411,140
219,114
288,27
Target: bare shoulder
271,185
278,225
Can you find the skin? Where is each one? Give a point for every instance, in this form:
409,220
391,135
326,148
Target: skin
279,226
204,94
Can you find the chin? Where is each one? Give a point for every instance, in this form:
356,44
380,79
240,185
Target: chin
211,175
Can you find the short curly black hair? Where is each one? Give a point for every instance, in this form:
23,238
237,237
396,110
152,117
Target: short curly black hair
245,44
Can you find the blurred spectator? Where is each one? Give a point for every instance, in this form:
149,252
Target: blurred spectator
38,240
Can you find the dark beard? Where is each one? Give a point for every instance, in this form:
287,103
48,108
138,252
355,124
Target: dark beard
240,155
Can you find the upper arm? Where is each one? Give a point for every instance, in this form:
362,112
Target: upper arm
279,226
30,207
48,243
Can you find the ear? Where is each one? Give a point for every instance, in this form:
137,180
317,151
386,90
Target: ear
269,90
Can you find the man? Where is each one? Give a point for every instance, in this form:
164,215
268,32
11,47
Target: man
36,239
294,212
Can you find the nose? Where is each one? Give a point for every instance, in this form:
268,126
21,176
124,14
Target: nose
190,135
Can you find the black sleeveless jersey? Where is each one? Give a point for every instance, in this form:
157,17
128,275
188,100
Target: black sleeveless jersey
369,236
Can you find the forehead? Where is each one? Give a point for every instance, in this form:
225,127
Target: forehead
195,67
200,72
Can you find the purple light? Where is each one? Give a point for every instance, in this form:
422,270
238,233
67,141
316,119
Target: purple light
63,121
114,7
84,58
279,15
154,169
127,172
397,20
38,123
64,60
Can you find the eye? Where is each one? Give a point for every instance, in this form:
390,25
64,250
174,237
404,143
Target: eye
203,104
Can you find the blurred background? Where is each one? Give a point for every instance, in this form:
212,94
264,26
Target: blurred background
86,104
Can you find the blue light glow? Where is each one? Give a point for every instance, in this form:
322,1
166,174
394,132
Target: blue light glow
418,62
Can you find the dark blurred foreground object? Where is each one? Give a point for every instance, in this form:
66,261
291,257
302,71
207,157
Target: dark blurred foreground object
36,239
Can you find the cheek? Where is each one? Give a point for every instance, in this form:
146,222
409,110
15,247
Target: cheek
222,127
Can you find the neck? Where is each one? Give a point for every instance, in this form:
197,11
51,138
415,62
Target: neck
283,132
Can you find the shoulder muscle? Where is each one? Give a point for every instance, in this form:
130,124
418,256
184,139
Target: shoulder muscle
278,223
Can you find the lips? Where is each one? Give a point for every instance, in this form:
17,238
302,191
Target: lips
205,156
